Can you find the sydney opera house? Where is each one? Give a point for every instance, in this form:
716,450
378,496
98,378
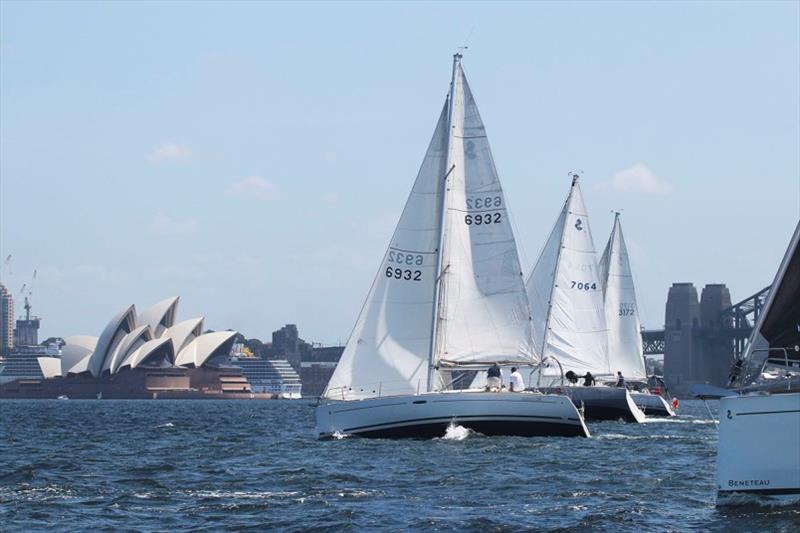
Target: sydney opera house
145,355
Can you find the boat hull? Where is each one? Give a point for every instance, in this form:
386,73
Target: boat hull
602,403
652,404
759,442
428,415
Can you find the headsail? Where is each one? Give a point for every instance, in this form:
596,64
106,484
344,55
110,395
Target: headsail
483,312
388,350
622,312
778,326
566,294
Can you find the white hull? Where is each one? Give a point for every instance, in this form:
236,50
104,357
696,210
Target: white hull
759,445
427,415
652,404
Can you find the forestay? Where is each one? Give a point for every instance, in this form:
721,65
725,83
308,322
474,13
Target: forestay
388,349
483,313
566,294
621,310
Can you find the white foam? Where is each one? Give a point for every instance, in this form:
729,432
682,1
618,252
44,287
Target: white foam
455,432
338,435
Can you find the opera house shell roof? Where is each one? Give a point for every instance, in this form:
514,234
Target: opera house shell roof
151,339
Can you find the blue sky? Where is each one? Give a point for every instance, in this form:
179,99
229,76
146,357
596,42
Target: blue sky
254,157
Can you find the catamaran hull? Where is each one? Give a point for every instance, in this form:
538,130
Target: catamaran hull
759,446
602,403
652,404
428,415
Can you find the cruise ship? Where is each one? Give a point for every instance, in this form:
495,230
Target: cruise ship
28,363
275,376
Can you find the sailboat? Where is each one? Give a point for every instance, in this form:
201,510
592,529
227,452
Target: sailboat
449,295
569,324
625,353
759,429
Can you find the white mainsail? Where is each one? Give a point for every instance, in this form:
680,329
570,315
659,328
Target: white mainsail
450,289
566,294
622,312
483,313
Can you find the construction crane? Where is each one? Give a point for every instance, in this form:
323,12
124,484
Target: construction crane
27,292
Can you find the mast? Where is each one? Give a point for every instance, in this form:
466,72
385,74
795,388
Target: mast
438,292
558,267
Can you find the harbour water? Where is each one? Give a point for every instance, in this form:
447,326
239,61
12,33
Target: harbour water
233,465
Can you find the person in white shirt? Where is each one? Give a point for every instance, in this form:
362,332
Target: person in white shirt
517,384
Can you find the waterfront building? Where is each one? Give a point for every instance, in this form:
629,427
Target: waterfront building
313,362
6,320
27,330
145,355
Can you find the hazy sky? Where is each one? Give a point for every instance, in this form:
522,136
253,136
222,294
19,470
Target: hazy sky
253,158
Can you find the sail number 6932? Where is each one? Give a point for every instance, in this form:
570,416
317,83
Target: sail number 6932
404,274
486,218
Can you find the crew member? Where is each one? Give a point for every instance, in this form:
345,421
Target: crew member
571,376
588,379
493,378
620,379
517,383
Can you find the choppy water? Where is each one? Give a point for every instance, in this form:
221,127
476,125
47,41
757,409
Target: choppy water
159,465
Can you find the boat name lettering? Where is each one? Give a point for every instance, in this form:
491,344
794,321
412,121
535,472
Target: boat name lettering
748,482
405,259
407,275
486,218
484,202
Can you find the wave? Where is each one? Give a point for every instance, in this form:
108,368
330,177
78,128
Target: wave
456,432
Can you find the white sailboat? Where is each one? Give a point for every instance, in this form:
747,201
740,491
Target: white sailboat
449,295
759,430
569,323
625,352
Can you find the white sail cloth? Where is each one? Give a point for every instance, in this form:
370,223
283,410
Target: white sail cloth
566,294
389,347
463,303
484,313
625,352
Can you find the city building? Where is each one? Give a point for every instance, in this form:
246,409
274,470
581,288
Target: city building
313,362
6,320
27,330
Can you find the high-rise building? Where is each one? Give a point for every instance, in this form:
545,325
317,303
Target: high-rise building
6,319
27,332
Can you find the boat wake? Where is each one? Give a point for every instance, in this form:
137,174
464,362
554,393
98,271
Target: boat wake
676,421
743,502
456,432
338,435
